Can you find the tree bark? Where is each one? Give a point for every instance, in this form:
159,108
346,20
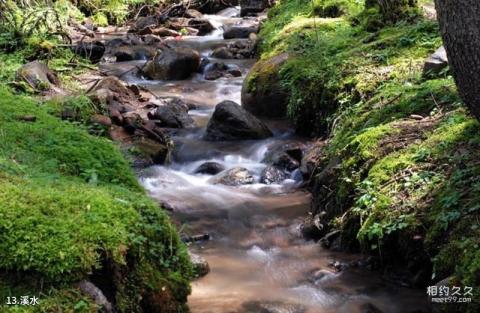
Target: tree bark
460,28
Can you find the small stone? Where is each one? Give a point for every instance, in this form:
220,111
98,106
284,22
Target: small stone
200,265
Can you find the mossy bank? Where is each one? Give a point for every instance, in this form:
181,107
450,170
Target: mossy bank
71,209
398,172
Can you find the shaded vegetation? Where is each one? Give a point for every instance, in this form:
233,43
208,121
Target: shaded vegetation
70,207
400,170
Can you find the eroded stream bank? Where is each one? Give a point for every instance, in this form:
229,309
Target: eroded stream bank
228,189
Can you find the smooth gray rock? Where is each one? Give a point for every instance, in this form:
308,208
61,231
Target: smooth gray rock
436,62
231,122
233,177
172,64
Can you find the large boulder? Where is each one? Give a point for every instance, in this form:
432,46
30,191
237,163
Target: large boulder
262,91
38,76
232,32
233,177
436,63
231,122
251,7
172,64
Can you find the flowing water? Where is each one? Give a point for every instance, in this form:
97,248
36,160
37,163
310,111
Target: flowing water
255,252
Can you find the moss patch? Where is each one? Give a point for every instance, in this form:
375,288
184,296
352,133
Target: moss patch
70,206
399,162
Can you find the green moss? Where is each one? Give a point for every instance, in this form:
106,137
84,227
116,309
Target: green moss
405,183
68,204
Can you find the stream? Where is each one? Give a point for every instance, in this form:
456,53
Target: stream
258,260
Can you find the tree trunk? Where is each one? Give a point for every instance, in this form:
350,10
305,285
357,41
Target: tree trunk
460,27
392,10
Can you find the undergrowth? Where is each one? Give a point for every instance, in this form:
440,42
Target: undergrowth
400,172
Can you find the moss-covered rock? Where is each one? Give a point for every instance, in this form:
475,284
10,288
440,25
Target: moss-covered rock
263,93
71,209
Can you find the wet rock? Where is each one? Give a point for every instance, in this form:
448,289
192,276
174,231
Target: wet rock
191,13
235,72
200,265
101,120
213,75
155,151
93,51
339,266
320,276
145,21
272,174
222,53
436,63
215,70
232,32
331,240
151,40
96,295
130,53
210,168
203,26
38,76
159,31
215,67
108,89
262,91
272,307
312,228
231,122
172,64
284,160
203,65
250,7
195,238
285,155
115,115
172,116
233,177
